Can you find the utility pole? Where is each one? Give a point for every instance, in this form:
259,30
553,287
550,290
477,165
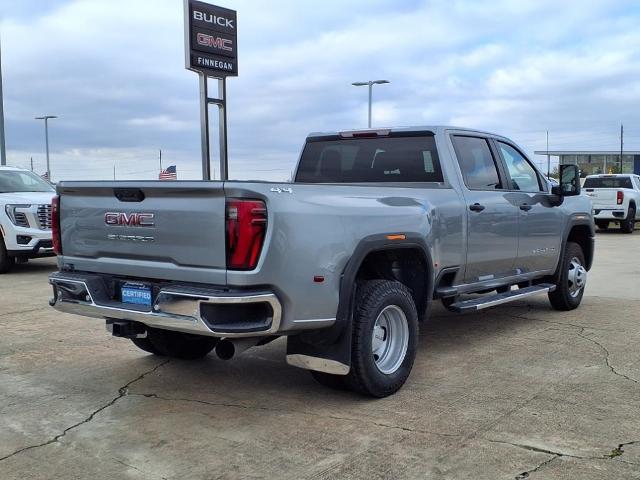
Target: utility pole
548,157
621,144
32,164
3,148
114,171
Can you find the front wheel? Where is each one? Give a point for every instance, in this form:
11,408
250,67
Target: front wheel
571,280
629,224
6,262
384,338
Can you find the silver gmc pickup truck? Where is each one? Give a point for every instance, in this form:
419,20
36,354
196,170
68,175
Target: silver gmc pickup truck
344,261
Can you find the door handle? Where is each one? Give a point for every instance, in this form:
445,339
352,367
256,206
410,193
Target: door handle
476,207
525,207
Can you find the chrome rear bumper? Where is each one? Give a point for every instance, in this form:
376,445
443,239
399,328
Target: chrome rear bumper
174,308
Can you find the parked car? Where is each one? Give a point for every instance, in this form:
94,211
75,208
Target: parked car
615,199
343,261
25,217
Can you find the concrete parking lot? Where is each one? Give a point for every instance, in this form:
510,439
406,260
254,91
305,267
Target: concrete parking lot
519,391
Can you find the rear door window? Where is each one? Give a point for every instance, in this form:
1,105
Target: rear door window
377,159
479,168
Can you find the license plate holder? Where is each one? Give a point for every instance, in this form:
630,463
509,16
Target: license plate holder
136,294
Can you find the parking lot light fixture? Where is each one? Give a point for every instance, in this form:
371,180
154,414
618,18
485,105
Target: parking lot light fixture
370,84
46,140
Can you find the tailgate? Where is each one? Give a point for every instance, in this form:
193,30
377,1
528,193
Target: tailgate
168,230
602,197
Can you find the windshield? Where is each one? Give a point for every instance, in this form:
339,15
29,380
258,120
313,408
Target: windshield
18,181
378,159
608,182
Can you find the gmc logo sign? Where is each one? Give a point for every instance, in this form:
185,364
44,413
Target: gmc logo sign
121,219
214,42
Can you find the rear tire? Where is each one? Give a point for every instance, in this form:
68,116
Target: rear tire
146,345
336,382
602,224
629,224
185,346
6,262
571,281
384,338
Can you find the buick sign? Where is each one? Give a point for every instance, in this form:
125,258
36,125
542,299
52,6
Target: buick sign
211,37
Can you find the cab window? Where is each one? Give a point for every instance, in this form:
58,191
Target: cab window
523,176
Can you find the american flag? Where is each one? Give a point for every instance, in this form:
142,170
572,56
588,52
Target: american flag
169,173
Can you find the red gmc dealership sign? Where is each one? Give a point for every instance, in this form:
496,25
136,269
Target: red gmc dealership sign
211,35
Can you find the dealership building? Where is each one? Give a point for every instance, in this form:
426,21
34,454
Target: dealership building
593,162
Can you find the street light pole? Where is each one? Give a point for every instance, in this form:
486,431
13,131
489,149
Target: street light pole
370,84
370,102
46,140
3,148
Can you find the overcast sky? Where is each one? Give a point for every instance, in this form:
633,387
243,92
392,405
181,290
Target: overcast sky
114,73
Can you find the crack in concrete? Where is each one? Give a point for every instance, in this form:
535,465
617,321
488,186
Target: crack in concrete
606,357
527,473
313,414
531,448
582,335
616,452
619,450
122,391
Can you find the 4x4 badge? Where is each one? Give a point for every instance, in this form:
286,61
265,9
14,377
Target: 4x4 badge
282,190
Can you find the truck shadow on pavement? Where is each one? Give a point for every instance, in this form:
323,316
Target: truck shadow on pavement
33,267
262,372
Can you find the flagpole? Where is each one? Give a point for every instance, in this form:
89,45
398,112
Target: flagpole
160,159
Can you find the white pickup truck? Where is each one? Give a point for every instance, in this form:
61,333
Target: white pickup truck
25,217
615,198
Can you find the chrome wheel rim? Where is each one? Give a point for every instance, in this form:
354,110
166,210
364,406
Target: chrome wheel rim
577,277
390,339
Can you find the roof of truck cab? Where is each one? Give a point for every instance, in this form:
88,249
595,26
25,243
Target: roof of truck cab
435,129
12,169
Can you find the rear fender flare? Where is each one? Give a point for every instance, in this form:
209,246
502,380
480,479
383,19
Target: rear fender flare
332,346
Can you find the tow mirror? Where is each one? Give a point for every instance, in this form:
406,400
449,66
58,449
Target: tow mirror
569,181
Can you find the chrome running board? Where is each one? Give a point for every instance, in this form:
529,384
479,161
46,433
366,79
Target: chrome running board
492,300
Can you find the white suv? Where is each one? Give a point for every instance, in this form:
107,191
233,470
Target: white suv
25,217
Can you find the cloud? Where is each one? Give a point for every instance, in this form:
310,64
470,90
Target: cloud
114,73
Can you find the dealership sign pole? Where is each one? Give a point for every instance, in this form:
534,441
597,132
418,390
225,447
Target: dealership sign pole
211,37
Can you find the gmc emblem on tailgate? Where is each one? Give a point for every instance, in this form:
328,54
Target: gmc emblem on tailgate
121,219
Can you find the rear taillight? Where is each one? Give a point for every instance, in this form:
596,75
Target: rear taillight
55,225
246,227
620,197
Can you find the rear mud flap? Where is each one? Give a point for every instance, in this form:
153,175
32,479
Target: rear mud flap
325,350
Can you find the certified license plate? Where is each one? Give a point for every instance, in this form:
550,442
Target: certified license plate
138,294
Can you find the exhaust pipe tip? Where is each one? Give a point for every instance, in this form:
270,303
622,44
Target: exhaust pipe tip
225,349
